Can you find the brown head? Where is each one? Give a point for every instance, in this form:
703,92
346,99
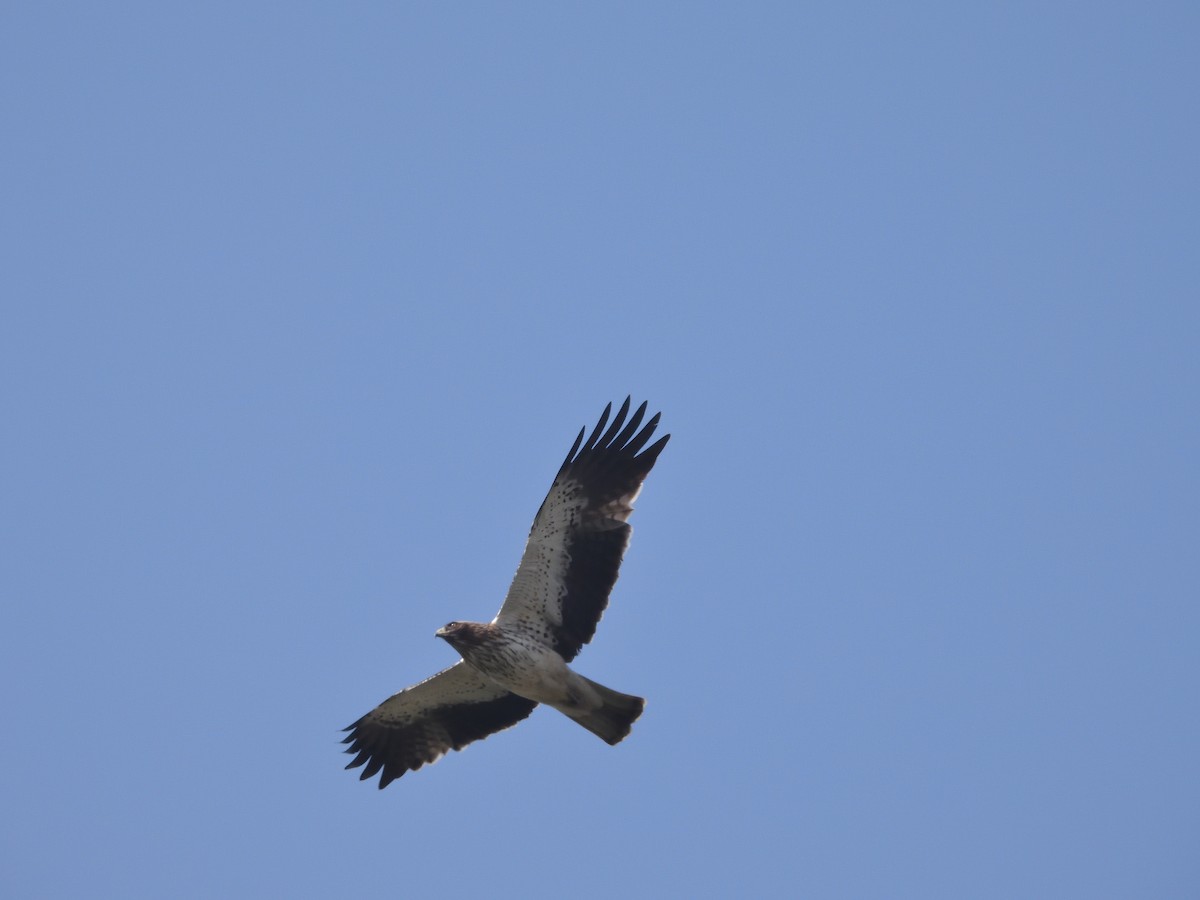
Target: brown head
460,635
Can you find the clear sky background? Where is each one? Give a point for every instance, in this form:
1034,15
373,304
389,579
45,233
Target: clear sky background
304,304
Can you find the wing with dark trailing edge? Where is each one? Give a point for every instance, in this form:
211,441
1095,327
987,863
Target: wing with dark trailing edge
421,724
579,535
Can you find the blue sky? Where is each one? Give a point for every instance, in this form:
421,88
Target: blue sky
305,303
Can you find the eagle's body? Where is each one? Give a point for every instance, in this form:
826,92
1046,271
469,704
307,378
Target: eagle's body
522,664
512,659
557,597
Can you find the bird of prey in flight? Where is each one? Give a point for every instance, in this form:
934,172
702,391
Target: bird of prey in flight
557,597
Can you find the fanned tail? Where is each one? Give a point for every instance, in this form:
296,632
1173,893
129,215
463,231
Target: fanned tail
612,721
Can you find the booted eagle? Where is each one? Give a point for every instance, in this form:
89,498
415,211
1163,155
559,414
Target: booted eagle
557,597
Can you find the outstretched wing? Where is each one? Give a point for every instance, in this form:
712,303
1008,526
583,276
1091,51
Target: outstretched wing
422,723
580,533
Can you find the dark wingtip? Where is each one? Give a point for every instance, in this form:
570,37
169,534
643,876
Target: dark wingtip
650,454
574,447
591,441
622,439
607,440
622,435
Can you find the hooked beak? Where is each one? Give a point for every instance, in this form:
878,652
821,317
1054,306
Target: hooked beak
442,633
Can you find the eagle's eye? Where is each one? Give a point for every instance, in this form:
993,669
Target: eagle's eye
450,625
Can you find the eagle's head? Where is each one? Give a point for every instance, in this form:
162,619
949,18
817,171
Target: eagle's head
448,630
461,634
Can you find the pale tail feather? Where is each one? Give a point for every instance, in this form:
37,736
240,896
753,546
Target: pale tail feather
615,718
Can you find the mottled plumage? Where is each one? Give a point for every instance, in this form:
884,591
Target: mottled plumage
556,599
